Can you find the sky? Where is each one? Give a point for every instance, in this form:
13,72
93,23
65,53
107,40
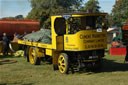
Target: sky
22,7
14,8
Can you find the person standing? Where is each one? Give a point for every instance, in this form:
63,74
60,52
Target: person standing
5,44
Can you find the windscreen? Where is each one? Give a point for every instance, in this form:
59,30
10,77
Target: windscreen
76,24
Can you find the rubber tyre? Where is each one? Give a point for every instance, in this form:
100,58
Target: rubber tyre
63,63
99,64
33,59
26,53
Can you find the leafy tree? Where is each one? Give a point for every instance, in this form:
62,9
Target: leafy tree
43,9
19,17
92,6
108,20
8,17
120,12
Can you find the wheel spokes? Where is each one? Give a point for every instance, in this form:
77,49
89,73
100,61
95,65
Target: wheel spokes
32,55
61,64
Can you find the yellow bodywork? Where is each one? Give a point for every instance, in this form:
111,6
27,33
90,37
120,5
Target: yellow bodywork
41,45
40,52
85,40
82,40
49,52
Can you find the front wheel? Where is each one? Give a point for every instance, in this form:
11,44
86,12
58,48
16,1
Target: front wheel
63,63
33,59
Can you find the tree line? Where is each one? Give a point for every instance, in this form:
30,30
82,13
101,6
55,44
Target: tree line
43,9
16,17
119,13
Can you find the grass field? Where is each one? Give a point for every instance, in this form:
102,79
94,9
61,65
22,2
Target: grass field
16,71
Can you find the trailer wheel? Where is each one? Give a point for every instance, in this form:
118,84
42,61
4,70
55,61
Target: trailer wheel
33,59
63,63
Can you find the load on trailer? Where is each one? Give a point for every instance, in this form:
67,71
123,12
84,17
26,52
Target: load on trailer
44,36
77,41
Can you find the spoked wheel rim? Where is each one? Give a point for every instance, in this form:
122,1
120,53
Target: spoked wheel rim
32,55
63,63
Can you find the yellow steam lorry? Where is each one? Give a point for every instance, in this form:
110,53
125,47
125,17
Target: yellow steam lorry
78,41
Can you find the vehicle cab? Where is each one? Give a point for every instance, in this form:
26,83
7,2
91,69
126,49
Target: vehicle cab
79,32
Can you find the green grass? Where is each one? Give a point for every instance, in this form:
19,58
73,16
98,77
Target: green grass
16,71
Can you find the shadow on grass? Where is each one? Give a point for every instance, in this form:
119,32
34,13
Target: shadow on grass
108,66
16,83
112,66
4,60
7,56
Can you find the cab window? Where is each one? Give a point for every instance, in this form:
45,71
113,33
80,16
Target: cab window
60,26
76,24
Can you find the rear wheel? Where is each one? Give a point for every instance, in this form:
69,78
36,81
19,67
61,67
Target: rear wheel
33,59
98,64
26,53
63,63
